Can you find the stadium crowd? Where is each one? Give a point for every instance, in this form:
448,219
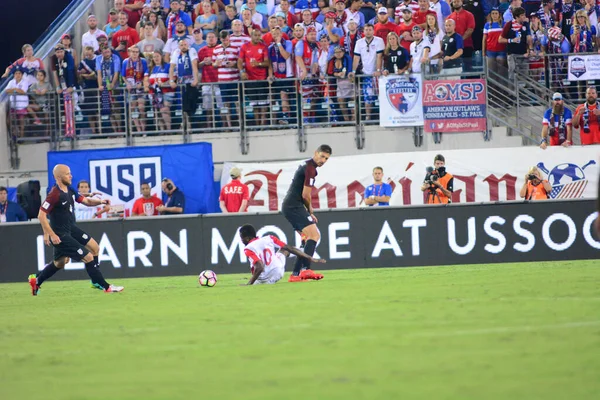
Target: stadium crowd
193,54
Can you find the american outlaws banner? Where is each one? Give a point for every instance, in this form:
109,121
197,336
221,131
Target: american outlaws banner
454,105
479,176
584,67
400,102
118,173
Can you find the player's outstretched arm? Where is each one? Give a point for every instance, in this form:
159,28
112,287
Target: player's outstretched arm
300,253
93,202
258,269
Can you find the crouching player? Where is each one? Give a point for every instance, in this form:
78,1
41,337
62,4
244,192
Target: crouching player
267,264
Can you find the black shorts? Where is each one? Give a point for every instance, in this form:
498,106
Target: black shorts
73,245
257,92
298,217
229,93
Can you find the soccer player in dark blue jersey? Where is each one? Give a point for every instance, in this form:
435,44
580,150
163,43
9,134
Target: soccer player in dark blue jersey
58,222
297,209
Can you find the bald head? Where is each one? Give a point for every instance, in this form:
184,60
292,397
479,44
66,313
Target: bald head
62,174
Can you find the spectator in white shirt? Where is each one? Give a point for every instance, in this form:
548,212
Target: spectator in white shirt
369,50
19,101
90,38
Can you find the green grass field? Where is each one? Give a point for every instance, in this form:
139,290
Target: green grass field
512,331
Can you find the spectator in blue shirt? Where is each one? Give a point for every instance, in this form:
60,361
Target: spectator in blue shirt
9,211
379,193
175,201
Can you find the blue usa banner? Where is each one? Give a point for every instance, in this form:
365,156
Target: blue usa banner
400,100
117,174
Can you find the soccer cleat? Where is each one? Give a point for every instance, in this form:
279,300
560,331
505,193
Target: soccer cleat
35,288
310,274
114,289
295,278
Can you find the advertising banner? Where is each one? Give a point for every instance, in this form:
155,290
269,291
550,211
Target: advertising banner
118,173
400,100
455,105
369,238
480,175
584,67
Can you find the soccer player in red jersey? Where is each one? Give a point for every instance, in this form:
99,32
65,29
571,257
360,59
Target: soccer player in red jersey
58,222
297,209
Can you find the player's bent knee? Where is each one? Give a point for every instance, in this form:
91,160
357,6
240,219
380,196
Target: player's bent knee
93,247
88,258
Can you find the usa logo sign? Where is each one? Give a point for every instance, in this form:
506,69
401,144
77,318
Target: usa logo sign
119,180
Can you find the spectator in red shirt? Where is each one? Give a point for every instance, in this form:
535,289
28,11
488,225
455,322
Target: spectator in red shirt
465,25
254,66
290,17
587,118
133,8
209,74
420,16
406,28
384,26
146,205
125,37
268,37
234,196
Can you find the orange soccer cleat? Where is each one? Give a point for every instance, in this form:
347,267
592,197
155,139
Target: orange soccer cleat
295,278
310,274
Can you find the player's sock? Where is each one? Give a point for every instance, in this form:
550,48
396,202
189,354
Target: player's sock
96,261
298,266
309,249
95,275
49,270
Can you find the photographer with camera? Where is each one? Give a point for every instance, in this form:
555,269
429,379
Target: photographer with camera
535,188
438,183
175,203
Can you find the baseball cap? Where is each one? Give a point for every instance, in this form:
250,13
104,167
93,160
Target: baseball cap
417,28
113,11
91,16
406,9
180,22
59,47
382,10
197,30
352,20
533,15
557,96
66,35
100,35
310,29
340,1
280,14
330,14
235,172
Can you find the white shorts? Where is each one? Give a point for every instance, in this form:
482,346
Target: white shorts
210,93
273,272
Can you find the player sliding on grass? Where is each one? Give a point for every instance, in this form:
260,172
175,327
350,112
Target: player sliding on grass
61,232
266,263
297,209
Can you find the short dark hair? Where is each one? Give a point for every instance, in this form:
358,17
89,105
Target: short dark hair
248,231
371,25
224,34
379,168
145,183
517,12
3,189
439,157
42,71
325,148
82,182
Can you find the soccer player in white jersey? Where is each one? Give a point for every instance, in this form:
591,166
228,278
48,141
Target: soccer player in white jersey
267,256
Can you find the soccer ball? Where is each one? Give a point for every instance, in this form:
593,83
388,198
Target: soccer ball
207,278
